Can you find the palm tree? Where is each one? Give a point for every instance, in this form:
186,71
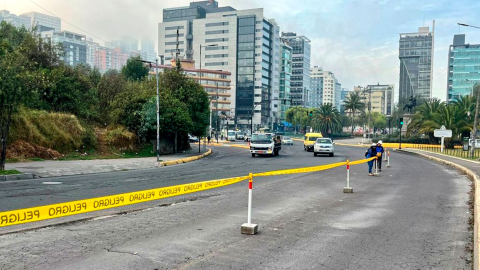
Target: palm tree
466,103
353,103
327,119
423,121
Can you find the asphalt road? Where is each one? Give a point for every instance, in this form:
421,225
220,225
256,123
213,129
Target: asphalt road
414,215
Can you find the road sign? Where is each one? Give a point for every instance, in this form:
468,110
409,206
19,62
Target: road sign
442,132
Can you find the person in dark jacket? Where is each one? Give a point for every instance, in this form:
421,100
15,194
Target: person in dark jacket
380,151
371,152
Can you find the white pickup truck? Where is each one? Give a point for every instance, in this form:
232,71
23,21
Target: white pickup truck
265,144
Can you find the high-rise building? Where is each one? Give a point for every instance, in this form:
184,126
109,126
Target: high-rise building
324,87
285,73
416,64
74,46
338,94
242,42
463,68
148,50
316,87
300,80
17,21
343,95
44,22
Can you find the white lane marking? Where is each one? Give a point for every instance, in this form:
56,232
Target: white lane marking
52,183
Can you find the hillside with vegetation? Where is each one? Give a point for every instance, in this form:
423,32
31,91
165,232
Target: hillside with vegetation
51,110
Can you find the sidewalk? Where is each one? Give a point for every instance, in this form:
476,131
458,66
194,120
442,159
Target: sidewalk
51,168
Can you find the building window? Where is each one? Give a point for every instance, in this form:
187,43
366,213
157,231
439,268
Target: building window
173,43
214,48
216,32
216,24
174,27
216,64
216,40
173,35
216,55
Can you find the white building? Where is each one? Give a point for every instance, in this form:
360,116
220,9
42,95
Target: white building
241,42
324,88
17,21
44,22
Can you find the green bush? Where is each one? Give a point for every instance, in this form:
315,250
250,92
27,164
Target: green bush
120,138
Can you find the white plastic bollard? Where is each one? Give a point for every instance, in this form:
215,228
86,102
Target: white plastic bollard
385,155
376,166
249,228
348,189
388,159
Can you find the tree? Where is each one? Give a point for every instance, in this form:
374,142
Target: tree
297,116
327,119
111,84
135,70
352,104
22,53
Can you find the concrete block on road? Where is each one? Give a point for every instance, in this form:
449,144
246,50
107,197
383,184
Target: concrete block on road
13,177
249,228
348,190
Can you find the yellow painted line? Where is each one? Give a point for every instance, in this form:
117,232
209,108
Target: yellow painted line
185,160
101,203
240,146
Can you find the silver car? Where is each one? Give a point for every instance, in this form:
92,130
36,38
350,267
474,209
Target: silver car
323,146
287,140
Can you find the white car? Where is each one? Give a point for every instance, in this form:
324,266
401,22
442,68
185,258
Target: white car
287,140
323,146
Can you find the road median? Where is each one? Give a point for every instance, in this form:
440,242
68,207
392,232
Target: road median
185,160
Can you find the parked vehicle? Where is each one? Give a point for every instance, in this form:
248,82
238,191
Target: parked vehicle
192,139
323,146
477,143
231,135
309,140
287,140
265,144
240,136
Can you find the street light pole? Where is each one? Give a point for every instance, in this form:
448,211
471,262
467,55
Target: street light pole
158,113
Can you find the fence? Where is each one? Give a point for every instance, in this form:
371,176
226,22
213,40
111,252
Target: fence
457,151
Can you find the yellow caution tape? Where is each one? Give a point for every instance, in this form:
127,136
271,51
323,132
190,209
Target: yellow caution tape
89,205
38,213
361,161
302,170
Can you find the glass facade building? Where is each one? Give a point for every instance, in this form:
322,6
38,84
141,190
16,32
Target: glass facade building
416,59
285,73
463,68
300,80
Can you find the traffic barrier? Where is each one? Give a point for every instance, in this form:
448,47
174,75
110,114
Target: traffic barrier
385,155
348,189
33,214
249,228
388,159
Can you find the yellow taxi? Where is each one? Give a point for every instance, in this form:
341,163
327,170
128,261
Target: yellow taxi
309,140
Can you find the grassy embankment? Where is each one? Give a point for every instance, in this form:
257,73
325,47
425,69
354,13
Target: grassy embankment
39,135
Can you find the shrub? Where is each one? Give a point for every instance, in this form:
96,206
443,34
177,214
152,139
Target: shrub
120,137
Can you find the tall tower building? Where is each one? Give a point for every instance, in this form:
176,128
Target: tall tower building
300,80
242,42
416,64
463,68
17,21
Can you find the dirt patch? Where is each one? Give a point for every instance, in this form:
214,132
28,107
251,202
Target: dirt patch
23,150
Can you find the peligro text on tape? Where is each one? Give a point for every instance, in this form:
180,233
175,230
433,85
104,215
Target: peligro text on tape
15,217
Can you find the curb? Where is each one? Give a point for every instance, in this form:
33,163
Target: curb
185,160
13,177
476,204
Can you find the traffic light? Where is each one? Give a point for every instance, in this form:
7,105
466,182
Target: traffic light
400,121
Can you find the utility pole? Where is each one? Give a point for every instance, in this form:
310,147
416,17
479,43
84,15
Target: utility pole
475,124
216,111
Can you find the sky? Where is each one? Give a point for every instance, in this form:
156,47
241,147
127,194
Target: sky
355,39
